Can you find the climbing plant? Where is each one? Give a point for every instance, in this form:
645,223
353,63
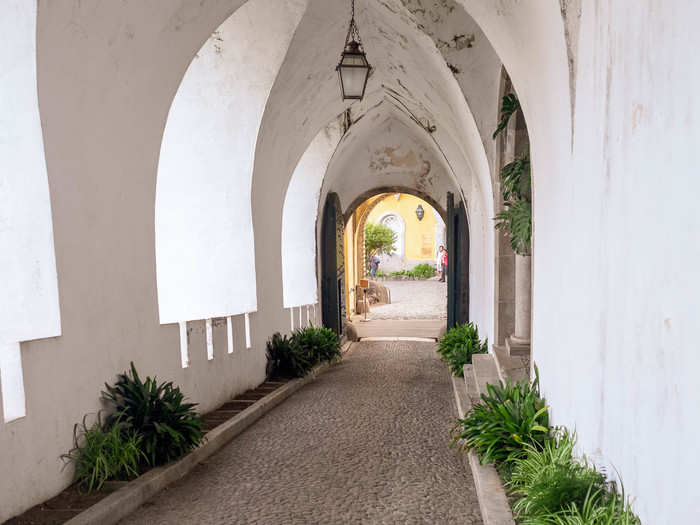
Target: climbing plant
516,184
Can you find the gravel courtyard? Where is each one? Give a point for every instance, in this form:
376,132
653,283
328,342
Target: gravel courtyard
366,442
413,300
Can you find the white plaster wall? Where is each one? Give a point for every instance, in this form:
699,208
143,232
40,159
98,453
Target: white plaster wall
615,237
615,277
630,278
204,226
107,76
299,218
29,306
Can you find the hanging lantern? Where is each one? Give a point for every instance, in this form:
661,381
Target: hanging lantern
353,68
420,212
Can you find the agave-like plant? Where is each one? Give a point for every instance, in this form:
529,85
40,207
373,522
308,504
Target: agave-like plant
287,360
169,427
320,343
508,417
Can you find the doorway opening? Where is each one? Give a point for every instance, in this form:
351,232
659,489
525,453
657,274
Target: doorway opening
395,246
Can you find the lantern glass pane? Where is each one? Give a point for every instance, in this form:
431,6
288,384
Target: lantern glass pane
353,72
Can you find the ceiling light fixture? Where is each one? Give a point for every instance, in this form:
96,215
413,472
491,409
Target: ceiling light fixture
353,68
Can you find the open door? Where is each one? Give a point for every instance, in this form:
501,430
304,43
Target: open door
457,263
332,265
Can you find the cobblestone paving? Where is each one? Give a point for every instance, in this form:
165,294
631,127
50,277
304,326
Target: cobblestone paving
413,300
367,442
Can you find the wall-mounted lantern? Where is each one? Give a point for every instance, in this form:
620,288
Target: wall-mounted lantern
420,212
353,68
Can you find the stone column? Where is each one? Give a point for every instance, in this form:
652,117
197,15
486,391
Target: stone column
522,299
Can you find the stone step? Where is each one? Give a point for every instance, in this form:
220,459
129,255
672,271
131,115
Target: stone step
470,384
510,367
517,349
485,371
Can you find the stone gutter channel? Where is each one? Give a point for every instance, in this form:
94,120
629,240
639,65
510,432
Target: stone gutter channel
126,500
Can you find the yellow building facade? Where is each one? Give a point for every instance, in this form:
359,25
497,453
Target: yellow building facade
417,239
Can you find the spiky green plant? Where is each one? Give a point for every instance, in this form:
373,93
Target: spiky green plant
508,417
549,479
169,426
598,508
100,455
459,344
321,344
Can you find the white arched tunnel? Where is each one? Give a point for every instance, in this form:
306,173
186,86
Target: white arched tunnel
189,148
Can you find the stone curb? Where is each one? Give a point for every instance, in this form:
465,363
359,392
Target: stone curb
126,500
493,503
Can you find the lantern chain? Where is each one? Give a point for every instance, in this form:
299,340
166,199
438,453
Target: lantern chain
353,32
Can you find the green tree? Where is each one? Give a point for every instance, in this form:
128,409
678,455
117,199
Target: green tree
379,239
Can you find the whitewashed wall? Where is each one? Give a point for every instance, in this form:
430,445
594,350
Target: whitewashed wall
29,306
615,273
204,228
299,218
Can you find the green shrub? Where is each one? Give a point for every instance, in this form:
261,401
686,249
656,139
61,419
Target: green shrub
169,427
458,345
320,344
549,479
508,417
100,455
295,356
598,508
422,271
285,361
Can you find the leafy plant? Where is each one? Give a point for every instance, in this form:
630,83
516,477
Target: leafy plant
169,427
100,455
284,360
509,105
598,508
516,219
320,344
458,345
549,479
295,356
508,417
422,271
516,180
379,239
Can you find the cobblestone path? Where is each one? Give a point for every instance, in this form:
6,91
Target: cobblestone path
367,442
413,300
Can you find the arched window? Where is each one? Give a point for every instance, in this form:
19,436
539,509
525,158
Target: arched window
397,225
